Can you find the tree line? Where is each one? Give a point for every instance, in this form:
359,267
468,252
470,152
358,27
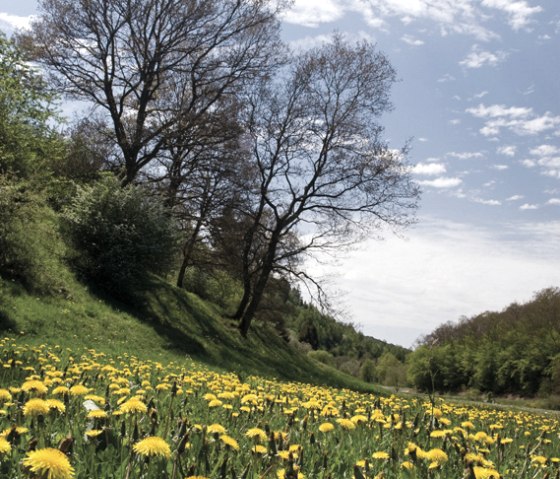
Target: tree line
514,351
207,144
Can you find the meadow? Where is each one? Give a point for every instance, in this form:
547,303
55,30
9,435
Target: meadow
83,414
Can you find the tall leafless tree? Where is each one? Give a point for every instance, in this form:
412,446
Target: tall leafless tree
153,64
322,166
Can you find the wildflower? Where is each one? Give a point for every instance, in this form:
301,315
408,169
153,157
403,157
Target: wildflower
346,424
259,449
133,405
56,404
381,455
437,456
34,385
326,427
5,446
257,433
485,473
36,407
97,414
216,429
93,432
407,465
5,395
79,390
50,463
153,446
281,474
229,441
60,390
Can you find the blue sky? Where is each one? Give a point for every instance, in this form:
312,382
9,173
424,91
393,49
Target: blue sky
479,98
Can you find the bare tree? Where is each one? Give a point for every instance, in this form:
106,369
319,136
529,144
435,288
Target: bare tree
322,167
151,64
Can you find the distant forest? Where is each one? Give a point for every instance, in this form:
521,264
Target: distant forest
515,351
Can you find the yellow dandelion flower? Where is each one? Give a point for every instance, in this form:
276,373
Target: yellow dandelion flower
93,432
60,390
34,386
281,474
49,463
326,427
438,456
259,449
215,403
5,395
485,473
196,477
346,424
133,405
216,429
229,441
97,414
407,465
79,390
256,433
153,446
5,446
36,407
380,455
56,404
539,460
437,434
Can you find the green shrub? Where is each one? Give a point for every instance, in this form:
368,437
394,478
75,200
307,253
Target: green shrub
120,235
31,248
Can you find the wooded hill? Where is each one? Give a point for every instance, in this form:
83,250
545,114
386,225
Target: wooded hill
514,351
198,245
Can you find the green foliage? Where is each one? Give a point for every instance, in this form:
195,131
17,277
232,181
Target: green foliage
390,370
121,235
368,371
31,249
26,108
511,352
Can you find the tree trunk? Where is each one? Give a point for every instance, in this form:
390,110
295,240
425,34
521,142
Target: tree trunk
251,309
187,253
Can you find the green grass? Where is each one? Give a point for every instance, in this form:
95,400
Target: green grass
165,324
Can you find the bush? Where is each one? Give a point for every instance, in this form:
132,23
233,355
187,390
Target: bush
31,249
121,235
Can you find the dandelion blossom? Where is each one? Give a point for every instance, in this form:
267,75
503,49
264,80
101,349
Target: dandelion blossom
256,433
326,427
485,473
229,441
5,446
382,455
49,463
36,407
153,446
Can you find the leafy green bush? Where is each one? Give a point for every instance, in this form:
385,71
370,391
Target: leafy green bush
121,235
31,249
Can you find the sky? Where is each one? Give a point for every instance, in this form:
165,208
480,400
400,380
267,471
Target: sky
478,100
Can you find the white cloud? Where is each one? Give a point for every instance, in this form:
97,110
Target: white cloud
545,150
515,198
442,182
428,169
16,22
466,155
455,121
500,167
507,150
518,11
482,94
312,13
399,289
520,120
487,202
314,41
529,206
529,163
478,58
410,40
553,201
445,78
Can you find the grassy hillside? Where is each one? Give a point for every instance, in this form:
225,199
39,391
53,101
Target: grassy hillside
166,324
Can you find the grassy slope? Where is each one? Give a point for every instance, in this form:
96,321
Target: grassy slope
166,324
